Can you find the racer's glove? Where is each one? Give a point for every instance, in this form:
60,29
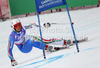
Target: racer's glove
47,24
13,62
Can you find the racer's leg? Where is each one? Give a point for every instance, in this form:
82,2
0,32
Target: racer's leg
53,41
38,44
26,47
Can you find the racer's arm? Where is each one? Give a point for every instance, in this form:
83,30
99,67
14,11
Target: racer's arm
10,47
33,25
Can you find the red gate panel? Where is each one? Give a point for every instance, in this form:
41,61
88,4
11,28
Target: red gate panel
4,8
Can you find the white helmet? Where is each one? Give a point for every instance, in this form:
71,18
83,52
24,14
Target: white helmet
15,23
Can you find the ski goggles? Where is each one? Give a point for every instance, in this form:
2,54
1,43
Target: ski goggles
17,25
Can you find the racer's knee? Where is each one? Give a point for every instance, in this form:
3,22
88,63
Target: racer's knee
27,47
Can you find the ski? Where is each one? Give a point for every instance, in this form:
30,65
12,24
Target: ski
54,49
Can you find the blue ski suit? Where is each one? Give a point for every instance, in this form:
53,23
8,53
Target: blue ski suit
24,43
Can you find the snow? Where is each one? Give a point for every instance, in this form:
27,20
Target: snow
86,24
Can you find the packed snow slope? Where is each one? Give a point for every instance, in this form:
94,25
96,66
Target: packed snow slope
86,24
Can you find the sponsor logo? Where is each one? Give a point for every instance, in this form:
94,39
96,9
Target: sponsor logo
46,1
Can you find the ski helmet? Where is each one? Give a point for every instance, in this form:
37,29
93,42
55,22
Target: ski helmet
15,23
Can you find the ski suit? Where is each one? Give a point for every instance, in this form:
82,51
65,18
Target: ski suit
25,43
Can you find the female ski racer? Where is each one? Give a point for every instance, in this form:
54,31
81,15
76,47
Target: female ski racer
25,43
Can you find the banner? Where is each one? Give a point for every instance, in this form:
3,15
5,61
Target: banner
46,4
18,7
